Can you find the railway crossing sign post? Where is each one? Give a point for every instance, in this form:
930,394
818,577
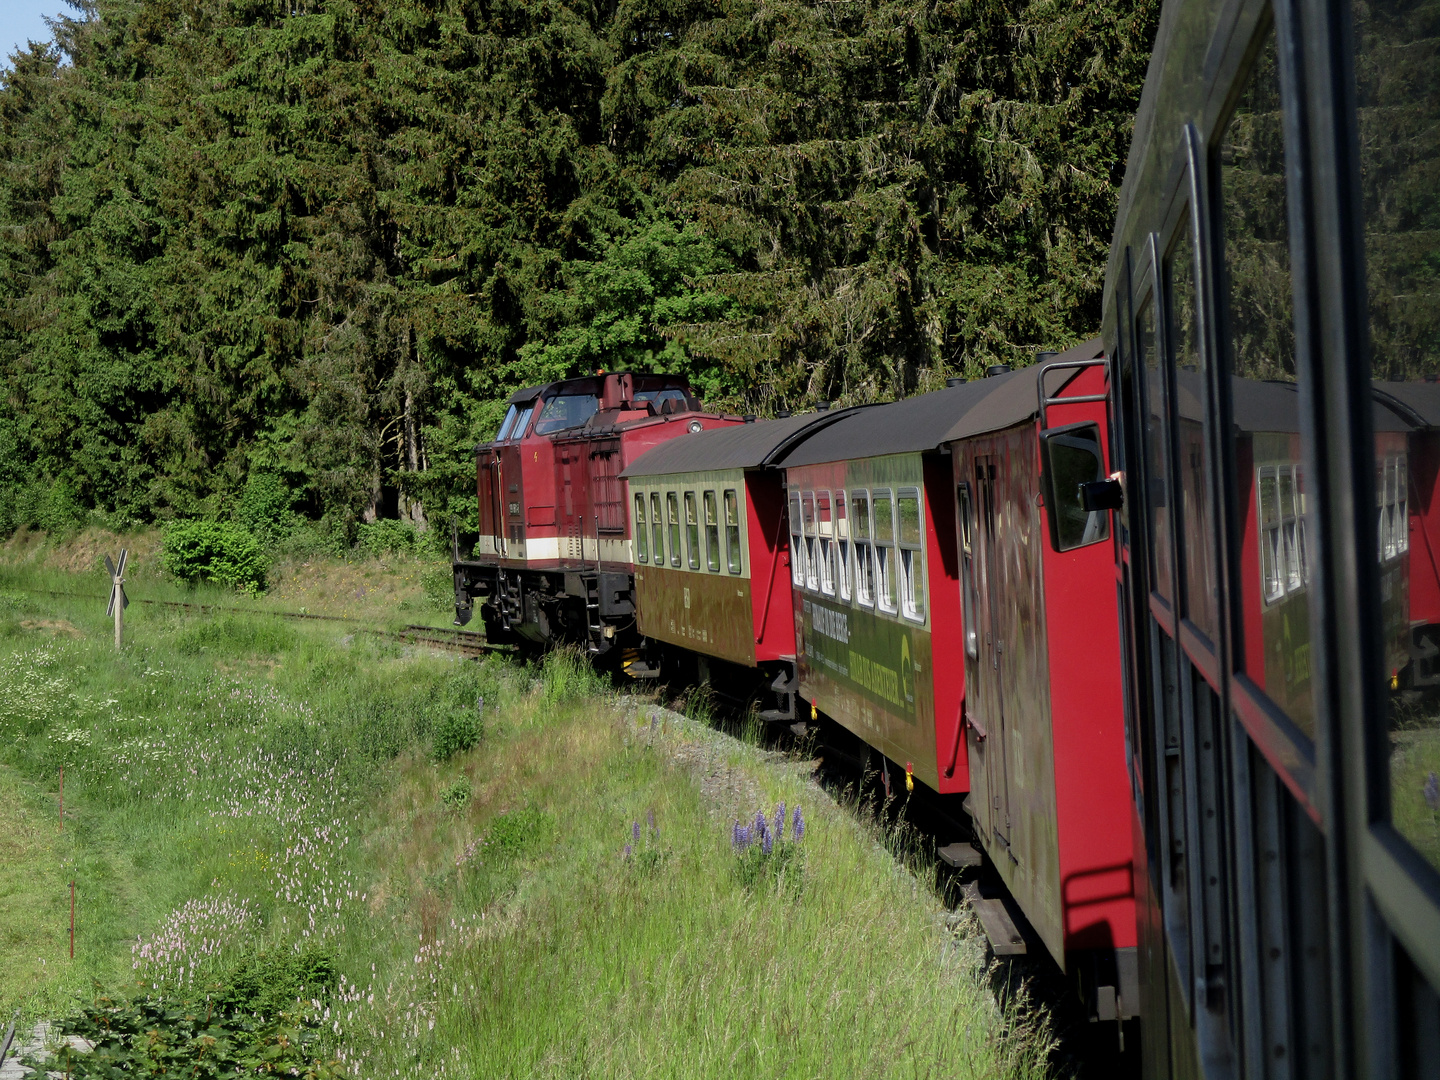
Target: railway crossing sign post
118,600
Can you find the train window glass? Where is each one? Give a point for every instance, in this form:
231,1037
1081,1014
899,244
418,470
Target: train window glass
692,530
672,506
1197,508
1071,457
825,538
812,554
732,531
842,546
657,529
1269,480
642,549
912,560
1157,458
1397,58
565,411
712,533
861,550
882,508
969,601
522,422
797,542
508,423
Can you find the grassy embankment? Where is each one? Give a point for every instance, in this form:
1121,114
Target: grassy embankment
239,785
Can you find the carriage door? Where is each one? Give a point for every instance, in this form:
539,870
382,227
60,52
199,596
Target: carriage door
989,699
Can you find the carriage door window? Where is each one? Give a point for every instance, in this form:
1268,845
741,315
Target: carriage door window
1197,510
968,600
842,546
797,542
712,533
732,531
912,562
861,551
883,511
672,506
1071,457
642,552
825,538
812,547
1397,55
657,529
692,530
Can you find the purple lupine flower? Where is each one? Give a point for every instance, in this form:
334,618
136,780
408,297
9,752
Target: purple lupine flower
767,841
635,831
780,820
735,836
761,826
627,851
1431,791
797,825
650,818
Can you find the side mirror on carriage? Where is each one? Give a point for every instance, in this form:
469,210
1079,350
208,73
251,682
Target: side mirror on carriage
1104,494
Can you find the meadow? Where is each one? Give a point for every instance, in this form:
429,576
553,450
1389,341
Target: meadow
321,825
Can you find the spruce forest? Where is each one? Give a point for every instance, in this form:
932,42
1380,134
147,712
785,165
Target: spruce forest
303,249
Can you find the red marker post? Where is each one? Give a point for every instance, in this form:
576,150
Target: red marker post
72,918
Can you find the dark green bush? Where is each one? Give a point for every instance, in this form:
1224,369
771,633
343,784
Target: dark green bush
265,507
457,729
388,535
520,832
456,796
216,551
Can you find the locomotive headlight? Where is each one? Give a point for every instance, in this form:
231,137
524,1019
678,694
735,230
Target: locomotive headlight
696,426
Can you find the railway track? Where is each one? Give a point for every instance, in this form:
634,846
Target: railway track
465,642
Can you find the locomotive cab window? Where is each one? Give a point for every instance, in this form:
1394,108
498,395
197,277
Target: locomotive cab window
1070,457
642,553
912,561
692,530
797,543
732,531
507,424
657,529
882,509
672,507
712,534
861,550
566,411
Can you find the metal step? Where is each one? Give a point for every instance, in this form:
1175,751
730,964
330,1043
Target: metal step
960,855
1005,937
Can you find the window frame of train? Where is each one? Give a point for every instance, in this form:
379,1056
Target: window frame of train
1326,920
712,530
1060,508
797,539
642,546
734,548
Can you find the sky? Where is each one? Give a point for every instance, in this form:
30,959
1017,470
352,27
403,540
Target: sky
20,21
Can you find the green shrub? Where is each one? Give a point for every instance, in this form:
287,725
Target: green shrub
456,796
265,507
519,832
215,551
438,584
388,535
457,729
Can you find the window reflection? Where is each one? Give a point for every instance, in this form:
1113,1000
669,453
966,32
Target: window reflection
1272,497
1202,603
1397,67
1157,461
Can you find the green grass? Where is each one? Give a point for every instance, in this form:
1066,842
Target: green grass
237,785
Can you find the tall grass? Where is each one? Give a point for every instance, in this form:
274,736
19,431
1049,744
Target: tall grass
237,786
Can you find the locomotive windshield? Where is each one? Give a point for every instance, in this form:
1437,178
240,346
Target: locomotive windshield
565,411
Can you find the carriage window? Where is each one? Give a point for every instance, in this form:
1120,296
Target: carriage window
657,529
812,554
882,509
672,505
732,531
1392,504
692,530
1269,479
1071,457
912,561
712,533
642,552
968,600
797,542
825,538
842,546
861,550
1197,509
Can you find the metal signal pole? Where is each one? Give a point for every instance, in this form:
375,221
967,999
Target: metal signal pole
117,593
